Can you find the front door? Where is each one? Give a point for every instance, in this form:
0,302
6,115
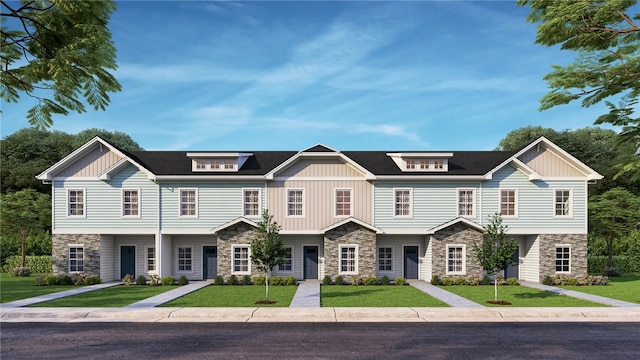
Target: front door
513,271
310,262
127,261
410,262
209,262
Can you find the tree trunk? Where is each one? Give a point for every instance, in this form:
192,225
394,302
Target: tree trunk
610,251
495,288
23,246
266,283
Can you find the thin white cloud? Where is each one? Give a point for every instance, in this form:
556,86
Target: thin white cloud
385,129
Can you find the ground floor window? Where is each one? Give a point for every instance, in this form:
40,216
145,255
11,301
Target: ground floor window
456,259
151,258
76,258
241,259
385,259
563,258
288,260
185,259
348,259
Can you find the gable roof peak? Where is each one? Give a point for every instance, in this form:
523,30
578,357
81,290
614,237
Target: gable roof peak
320,148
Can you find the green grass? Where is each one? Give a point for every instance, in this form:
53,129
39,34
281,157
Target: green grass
518,296
18,288
375,296
625,288
115,296
235,296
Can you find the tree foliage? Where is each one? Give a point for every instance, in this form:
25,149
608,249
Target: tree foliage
267,248
497,249
59,53
607,39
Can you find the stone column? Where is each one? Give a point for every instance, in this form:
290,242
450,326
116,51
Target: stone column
351,234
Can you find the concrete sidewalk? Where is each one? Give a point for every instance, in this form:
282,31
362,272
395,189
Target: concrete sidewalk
307,294
580,295
167,296
58,295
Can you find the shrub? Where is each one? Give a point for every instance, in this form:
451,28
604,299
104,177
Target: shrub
513,281
233,280
474,280
548,280
166,281
611,272
326,280
154,280
21,272
52,280
40,280
259,280
219,280
435,280
275,280
400,281
560,279
460,281
141,280
78,279
66,280
626,263
128,280
486,280
246,280
182,281
384,280
37,264
355,280
339,280
371,280
289,281
447,281
92,280
573,281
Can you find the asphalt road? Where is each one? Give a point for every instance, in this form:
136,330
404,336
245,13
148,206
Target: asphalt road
140,341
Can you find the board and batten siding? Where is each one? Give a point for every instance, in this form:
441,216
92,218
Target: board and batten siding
547,164
92,164
139,242
195,242
434,203
297,243
318,203
103,204
536,203
324,168
530,254
397,243
218,203
107,258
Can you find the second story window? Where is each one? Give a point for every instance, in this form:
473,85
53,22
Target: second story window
251,202
509,202
343,202
130,203
188,202
402,202
466,202
295,202
75,203
563,203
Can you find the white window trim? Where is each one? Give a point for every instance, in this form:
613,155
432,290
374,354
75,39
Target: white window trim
84,203
122,203
356,265
193,256
69,258
570,215
146,259
473,207
410,215
259,190
233,268
335,202
292,261
555,251
209,164
516,202
464,259
180,190
378,259
287,202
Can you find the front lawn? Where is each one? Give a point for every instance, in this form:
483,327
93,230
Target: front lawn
375,296
115,296
18,288
519,296
235,296
625,288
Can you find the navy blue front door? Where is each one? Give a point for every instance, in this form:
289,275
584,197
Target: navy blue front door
209,262
513,271
310,262
127,261
410,262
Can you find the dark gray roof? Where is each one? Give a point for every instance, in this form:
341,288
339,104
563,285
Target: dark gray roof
376,162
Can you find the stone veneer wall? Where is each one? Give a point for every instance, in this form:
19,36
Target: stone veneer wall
350,234
240,233
548,244
60,252
457,234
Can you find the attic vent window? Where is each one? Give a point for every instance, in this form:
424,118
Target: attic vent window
426,165
215,165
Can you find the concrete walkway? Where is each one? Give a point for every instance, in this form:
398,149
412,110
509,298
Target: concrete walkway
167,296
307,294
58,295
443,295
580,295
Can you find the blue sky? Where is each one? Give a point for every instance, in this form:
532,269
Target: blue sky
368,75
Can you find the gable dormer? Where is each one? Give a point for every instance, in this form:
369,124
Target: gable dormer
217,162
422,162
